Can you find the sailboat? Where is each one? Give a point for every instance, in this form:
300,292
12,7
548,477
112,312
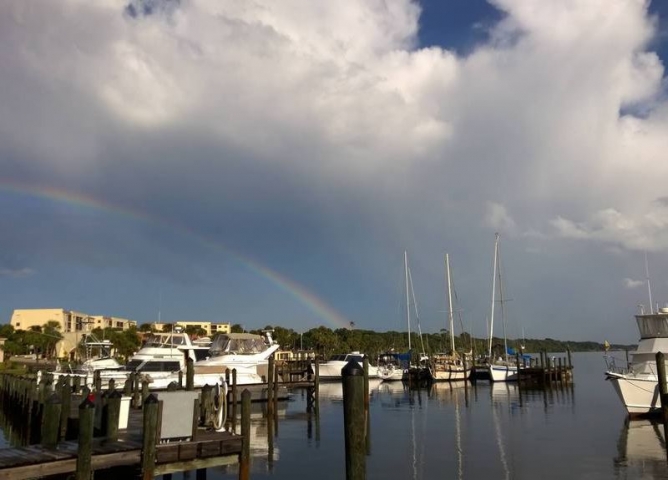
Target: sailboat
449,366
501,369
392,365
415,373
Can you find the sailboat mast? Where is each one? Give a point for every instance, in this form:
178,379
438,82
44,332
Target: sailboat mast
451,322
408,302
649,288
503,317
491,317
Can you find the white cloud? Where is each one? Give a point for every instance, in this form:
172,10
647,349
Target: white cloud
633,284
16,272
498,218
207,104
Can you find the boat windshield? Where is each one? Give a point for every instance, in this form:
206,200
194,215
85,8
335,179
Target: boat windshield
246,345
165,341
133,364
653,326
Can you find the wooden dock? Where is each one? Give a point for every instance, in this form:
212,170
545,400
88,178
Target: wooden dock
67,434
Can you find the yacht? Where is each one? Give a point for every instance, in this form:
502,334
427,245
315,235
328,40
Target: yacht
331,369
160,359
637,383
246,352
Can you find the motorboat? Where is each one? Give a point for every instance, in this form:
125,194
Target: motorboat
159,361
331,369
247,353
637,382
393,366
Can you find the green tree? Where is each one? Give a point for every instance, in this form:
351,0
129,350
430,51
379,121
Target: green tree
237,328
146,327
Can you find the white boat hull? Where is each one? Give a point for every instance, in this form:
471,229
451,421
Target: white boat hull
450,374
639,393
502,373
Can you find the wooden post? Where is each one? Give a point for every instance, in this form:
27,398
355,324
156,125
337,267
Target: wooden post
568,353
519,369
85,448
206,405
270,388
76,384
111,385
112,412
180,379
127,386
353,417
51,425
144,391
663,389
136,394
66,402
150,437
234,396
244,458
190,375
97,381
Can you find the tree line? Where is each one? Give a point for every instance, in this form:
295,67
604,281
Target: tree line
322,340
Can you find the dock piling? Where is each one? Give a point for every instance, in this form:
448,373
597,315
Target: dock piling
150,436
353,417
244,458
85,448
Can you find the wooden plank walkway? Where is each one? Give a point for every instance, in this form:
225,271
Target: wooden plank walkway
207,450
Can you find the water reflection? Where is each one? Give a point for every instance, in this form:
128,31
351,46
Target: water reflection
333,391
642,451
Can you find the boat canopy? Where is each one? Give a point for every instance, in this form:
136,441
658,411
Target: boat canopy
165,340
653,326
238,343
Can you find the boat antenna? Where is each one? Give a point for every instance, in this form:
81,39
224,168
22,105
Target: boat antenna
649,288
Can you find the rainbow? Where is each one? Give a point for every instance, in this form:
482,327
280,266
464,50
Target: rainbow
285,284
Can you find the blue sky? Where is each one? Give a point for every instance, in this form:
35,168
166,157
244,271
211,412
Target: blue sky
270,164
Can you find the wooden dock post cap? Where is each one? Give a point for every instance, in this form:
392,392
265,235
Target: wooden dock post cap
352,369
152,398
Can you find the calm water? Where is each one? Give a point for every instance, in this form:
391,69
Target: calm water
478,432
483,431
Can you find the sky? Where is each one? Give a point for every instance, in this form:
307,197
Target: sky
268,163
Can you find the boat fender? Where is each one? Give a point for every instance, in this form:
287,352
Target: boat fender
220,405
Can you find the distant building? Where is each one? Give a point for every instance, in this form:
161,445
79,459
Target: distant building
72,324
209,327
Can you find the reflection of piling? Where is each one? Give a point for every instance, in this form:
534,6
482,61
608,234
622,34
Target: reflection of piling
367,423
270,388
353,417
